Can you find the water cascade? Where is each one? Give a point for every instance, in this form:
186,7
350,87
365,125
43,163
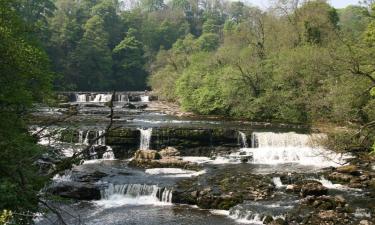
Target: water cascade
100,141
243,138
277,182
255,213
81,98
80,137
278,148
109,155
145,98
100,98
135,194
145,138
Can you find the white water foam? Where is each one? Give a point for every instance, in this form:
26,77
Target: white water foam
328,184
277,182
145,98
145,138
66,177
134,194
109,155
243,139
174,172
196,159
280,148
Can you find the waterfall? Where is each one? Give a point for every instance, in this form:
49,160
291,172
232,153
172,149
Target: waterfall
100,141
80,137
86,141
123,98
243,139
277,182
81,97
102,98
145,138
135,194
255,213
275,148
145,98
109,155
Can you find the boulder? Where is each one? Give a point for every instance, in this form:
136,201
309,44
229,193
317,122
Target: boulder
129,106
349,169
169,152
313,188
324,202
89,177
340,177
141,106
224,202
76,190
146,154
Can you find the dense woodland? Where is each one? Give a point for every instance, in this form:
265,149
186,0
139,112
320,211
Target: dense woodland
297,62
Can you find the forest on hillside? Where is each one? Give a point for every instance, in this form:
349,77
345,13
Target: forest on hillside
297,61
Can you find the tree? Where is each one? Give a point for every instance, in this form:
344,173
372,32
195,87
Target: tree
92,58
25,79
128,56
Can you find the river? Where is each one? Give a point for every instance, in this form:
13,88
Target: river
258,160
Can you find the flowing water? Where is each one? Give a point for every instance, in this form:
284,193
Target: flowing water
145,138
145,196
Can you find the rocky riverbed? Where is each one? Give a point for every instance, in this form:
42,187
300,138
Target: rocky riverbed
198,171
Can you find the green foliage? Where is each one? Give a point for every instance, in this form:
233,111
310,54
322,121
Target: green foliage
298,74
128,63
208,42
25,79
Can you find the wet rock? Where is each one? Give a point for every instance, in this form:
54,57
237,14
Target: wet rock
365,222
141,106
224,202
92,105
268,219
129,106
89,177
169,152
313,188
223,189
372,183
293,188
349,169
168,162
146,154
340,177
76,190
278,221
327,215
325,202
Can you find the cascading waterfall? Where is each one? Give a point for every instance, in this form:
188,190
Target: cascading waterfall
109,155
145,139
145,98
243,139
123,98
100,98
80,137
81,97
86,140
135,194
255,213
276,148
100,141
277,182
